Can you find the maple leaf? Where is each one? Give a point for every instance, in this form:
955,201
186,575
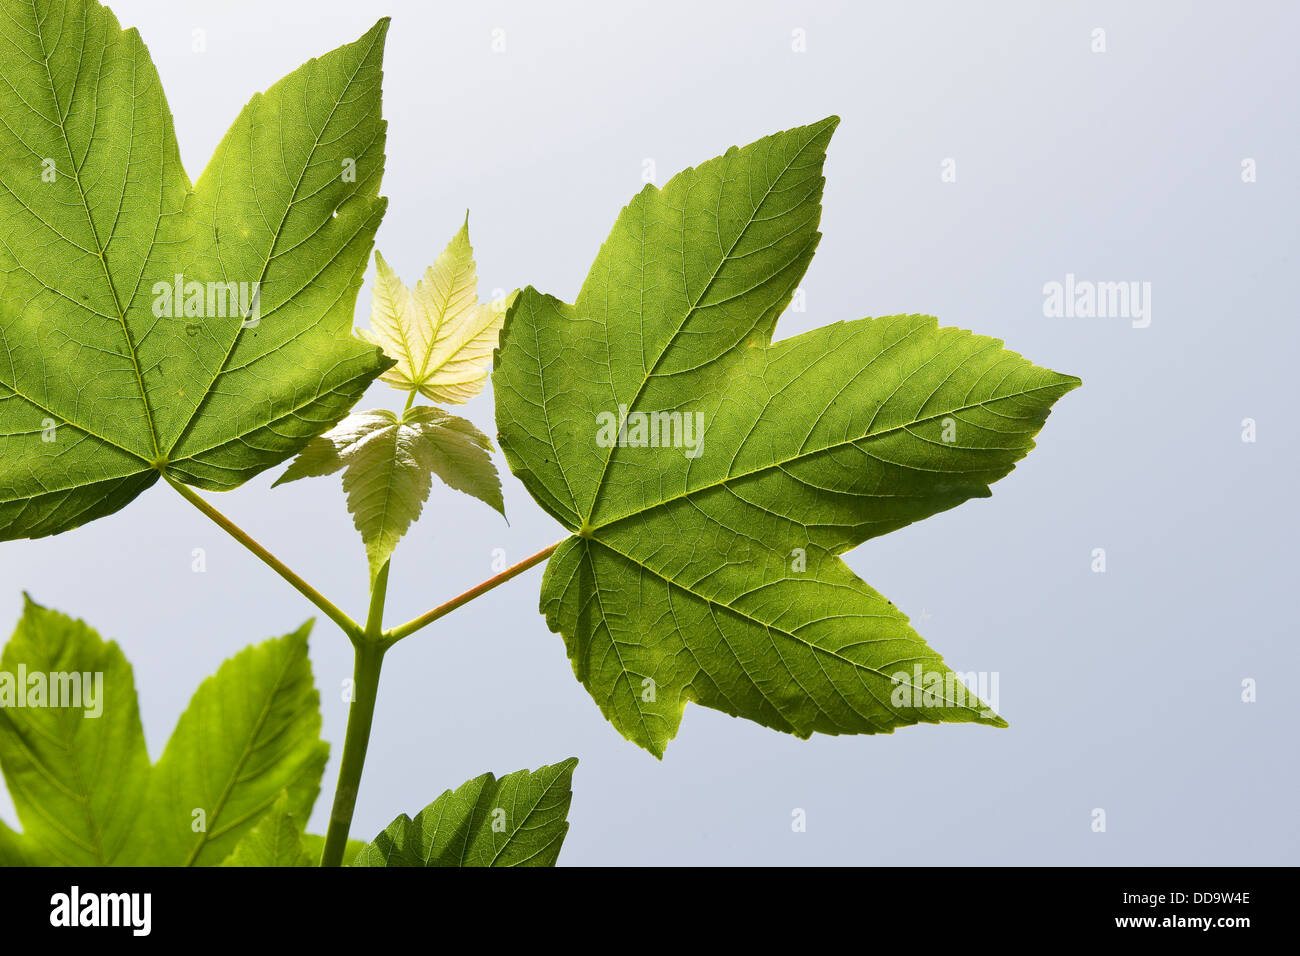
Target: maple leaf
152,327
712,477
439,334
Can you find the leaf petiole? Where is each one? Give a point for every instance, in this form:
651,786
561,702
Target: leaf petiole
350,627
394,635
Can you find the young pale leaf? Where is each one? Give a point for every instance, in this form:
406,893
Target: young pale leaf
518,820
275,841
149,326
251,731
711,477
77,771
387,461
439,334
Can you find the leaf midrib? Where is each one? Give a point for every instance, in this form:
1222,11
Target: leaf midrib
77,792
772,628
90,222
405,298
270,255
390,482
238,767
77,425
551,784
689,493
726,257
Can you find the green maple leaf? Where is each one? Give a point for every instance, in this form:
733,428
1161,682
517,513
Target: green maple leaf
712,477
77,781
247,746
152,327
518,820
251,732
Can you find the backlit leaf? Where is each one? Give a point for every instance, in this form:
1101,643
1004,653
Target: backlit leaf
275,841
712,477
76,772
518,820
149,326
439,334
387,460
251,731
80,777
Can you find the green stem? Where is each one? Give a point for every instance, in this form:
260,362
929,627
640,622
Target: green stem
368,661
378,595
410,627
369,644
350,627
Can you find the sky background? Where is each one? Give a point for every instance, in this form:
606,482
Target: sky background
1123,689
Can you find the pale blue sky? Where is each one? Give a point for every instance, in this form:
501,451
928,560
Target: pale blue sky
1122,689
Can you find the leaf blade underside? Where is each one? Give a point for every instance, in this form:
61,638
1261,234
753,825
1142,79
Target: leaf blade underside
76,777
517,820
276,841
251,733
246,752
706,567
103,385
388,461
439,334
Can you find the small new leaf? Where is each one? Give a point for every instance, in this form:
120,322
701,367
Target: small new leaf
518,820
387,461
439,334
712,477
